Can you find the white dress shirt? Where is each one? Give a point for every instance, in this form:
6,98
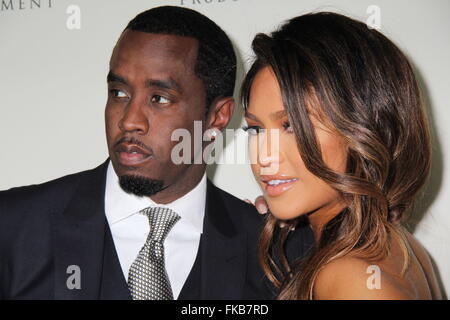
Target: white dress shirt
130,229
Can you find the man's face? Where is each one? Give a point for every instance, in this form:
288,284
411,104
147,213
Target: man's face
152,90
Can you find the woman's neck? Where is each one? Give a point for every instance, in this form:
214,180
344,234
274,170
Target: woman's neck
320,217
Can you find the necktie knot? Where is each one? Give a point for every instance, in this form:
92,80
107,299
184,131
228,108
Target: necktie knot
161,220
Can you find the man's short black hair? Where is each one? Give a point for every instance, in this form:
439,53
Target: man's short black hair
216,60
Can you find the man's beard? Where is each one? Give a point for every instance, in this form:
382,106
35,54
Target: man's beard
140,186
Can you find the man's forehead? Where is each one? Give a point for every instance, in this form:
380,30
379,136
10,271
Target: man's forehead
149,58
153,44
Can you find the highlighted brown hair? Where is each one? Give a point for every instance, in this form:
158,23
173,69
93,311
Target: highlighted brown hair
366,89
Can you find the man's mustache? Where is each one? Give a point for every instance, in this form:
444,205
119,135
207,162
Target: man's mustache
135,141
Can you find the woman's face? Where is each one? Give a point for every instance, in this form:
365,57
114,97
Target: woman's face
289,188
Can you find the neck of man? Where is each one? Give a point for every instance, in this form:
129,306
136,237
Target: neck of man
184,184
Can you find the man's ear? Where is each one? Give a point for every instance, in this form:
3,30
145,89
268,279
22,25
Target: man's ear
220,113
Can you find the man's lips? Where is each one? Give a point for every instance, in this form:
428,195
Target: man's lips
129,154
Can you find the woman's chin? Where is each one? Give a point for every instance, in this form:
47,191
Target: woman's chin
283,213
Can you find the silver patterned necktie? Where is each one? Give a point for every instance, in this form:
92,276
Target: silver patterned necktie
147,278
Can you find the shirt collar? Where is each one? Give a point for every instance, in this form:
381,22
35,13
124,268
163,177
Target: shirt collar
120,205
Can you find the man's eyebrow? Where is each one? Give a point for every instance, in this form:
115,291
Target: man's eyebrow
164,84
112,77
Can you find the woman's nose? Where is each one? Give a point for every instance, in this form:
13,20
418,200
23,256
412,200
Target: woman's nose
269,150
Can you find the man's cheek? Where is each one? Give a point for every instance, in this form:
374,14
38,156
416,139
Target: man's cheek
110,120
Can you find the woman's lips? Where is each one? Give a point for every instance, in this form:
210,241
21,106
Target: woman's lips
278,186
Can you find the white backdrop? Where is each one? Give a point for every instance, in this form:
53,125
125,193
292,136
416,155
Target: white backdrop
54,59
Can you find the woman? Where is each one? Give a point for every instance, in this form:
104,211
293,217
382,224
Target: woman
354,151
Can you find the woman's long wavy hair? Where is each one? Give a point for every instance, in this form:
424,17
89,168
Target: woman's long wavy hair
366,89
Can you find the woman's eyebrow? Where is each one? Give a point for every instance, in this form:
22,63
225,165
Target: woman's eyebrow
250,116
278,115
274,115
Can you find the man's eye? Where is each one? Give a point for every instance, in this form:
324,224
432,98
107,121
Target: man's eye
118,93
252,130
160,99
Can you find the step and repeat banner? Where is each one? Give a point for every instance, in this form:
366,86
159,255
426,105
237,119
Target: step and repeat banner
54,58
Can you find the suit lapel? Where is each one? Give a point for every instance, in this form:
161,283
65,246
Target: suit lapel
79,234
114,286
223,262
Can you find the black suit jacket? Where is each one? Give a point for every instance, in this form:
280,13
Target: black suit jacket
46,228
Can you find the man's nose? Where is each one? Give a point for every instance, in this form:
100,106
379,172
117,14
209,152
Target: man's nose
134,118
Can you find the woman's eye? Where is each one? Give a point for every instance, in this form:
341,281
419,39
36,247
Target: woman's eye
287,127
160,99
118,93
252,130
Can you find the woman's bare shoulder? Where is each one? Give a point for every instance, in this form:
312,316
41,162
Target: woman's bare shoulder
352,278
425,264
419,251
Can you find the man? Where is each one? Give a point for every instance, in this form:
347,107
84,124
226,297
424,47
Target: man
140,226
